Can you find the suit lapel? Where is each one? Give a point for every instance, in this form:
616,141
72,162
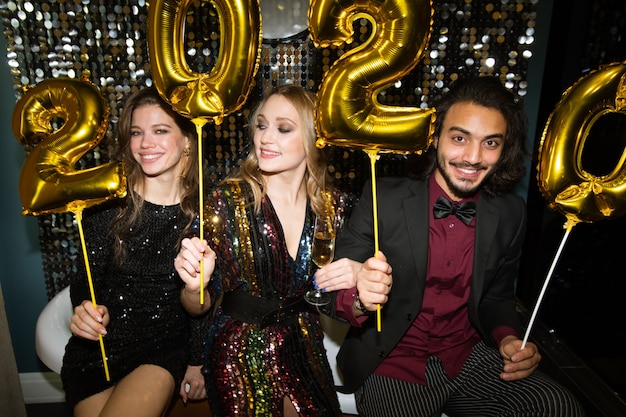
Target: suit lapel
487,219
416,215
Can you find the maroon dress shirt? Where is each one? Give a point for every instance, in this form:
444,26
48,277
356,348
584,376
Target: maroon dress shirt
442,328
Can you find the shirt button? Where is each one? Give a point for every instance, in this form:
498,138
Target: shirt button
451,226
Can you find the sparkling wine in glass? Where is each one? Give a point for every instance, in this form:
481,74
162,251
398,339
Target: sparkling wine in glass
322,253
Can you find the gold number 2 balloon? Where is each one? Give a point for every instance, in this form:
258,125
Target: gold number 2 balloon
562,179
225,88
348,113
49,181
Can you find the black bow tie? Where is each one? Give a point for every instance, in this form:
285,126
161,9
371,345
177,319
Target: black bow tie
464,211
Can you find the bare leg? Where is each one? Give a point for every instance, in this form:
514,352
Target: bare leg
145,392
288,408
92,406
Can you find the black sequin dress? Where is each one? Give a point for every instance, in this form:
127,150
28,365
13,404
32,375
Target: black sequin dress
148,323
250,368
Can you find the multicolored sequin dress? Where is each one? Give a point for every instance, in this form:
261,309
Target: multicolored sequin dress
249,368
148,323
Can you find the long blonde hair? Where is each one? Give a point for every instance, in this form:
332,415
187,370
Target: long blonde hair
318,182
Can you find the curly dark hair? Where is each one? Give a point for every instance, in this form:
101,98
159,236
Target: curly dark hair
488,91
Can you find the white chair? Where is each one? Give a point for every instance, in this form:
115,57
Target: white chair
53,330
334,333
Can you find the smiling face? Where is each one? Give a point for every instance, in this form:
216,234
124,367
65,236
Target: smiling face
468,148
278,138
157,143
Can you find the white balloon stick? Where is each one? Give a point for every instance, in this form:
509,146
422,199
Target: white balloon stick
568,229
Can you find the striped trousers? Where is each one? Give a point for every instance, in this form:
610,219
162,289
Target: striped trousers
476,392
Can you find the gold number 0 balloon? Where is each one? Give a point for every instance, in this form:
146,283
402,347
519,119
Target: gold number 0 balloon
348,113
562,179
49,181
226,87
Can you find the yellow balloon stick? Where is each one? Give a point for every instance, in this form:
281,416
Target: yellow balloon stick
373,154
79,216
199,122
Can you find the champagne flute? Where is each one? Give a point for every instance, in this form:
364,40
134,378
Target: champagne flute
322,253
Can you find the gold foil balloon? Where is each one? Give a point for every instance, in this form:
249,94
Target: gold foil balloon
225,88
571,190
348,113
222,90
49,181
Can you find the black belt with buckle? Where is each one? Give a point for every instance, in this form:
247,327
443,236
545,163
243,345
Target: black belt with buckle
249,308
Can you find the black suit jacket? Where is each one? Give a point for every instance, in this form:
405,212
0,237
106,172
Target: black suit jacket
403,213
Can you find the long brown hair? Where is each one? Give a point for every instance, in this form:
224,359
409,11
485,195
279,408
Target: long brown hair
317,180
131,211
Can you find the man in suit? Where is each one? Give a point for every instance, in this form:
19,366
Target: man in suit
451,243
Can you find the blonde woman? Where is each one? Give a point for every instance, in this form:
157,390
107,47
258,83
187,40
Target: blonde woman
264,351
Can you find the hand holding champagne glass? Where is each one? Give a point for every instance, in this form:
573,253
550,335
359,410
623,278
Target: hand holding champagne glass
322,253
